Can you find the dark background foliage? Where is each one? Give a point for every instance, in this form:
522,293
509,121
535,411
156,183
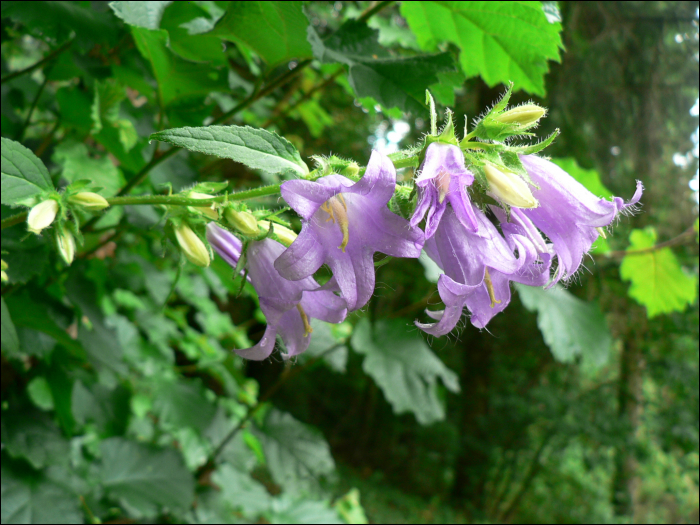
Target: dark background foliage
121,398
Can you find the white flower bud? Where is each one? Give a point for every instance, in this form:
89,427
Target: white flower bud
243,221
209,211
509,188
66,244
42,215
89,200
3,274
192,246
525,115
284,234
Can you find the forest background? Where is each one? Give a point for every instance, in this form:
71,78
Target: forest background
121,398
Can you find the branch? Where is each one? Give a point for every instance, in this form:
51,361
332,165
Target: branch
41,62
684,237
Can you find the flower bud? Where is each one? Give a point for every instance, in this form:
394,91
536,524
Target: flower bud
3,274
351,170
525,115
42,215
66,244
91,201
243,221
284,234
209,211
192,246
509,188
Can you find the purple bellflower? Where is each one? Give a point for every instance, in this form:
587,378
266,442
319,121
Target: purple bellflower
479,267
569,215
287,305
344,223
442,180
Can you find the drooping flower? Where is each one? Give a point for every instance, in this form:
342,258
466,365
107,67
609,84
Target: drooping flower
344,223
443,179
569,215
479,267
287,305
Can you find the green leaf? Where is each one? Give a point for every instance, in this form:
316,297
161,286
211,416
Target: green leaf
77,165
404,367
177,79
324,339
570,327
8,336
240,492
499,41
140,14
24,176
276,31
302,511
33,436
29,497
192,46
393,82
658,281
145,479
183,404
40,393
296,454
256,148
350,508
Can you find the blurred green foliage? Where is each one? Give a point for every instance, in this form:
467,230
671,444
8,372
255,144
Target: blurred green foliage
121,398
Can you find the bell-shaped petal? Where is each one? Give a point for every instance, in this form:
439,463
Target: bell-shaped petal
287,305
443,179
344,223
569,214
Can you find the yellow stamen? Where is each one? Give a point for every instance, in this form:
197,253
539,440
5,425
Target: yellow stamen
489,288
304,319
337,210
602,233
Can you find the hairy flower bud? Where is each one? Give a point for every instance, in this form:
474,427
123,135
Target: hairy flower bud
285,235
525,115
66,244
89,200
192,246
209,211
42,215
243,221
509,188
3,274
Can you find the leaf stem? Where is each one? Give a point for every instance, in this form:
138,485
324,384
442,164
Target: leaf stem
678,239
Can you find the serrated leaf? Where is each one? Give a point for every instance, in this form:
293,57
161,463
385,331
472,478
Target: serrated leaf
182,404
296,454
29,497
276,31
404,367
570,327
499,41
240,492
301,511
77,164
256,148
8,336
140,14
658,282
393,82
24,176
145,479
33,436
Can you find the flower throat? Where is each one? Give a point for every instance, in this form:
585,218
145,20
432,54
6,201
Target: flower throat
337,210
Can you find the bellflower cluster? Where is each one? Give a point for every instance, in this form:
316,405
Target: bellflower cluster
491,213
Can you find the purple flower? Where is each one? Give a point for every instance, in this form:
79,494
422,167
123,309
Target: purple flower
287,305
442,179
479,267
568,213
344,223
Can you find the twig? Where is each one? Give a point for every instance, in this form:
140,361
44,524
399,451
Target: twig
679,239
23,129
373,10
41,62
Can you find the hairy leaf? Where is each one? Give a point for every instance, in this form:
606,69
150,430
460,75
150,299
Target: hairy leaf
256,148
24,176
141,14
404,367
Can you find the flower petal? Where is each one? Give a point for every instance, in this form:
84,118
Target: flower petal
263,349
379,180
303,258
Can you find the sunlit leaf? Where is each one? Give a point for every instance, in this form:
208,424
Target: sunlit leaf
24,176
